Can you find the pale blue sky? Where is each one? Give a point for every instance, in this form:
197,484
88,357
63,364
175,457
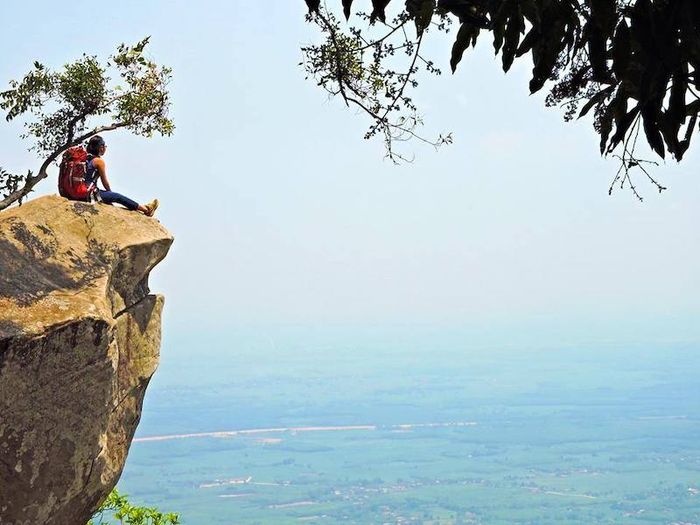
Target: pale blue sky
283,215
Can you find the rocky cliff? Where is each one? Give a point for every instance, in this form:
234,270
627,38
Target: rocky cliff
79,342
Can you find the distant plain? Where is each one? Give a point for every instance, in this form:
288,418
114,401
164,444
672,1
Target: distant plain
575,434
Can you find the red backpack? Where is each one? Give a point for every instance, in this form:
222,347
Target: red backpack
71,175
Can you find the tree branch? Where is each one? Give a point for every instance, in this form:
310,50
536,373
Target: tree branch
411,70
42,174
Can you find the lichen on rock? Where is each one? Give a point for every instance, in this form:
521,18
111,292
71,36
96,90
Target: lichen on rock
79,342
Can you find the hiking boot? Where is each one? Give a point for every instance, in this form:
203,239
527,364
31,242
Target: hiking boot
151,207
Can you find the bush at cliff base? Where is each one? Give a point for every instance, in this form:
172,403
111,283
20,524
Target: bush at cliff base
117,509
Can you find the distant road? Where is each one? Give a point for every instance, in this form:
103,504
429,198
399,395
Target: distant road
293,430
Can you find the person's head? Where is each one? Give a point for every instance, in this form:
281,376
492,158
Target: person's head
96,146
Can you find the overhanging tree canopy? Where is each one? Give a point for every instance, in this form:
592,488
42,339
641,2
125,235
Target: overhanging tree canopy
633,64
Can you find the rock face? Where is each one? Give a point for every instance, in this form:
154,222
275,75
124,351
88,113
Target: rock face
79,342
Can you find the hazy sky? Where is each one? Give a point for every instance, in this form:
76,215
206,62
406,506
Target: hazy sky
283,214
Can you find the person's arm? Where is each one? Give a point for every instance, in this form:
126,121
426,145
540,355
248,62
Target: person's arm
102,172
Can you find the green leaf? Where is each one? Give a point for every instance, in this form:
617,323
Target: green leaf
600,28
465,36
378,7
604,12
618,106
347,5
498,31
313,5
595,99
622,125
676,102
685,143
546,53
468,11
526,45
693,108
650,118
621,50
597,52
138,48
672,120
422,13
641,28
511,40
499,21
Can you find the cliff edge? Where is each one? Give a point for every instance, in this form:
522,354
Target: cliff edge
79,342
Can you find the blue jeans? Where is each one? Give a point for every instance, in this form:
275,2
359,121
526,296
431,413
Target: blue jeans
111,197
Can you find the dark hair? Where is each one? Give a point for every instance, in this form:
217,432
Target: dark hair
94,145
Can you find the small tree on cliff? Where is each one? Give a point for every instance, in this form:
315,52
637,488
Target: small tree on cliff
64,108
118,507
633,64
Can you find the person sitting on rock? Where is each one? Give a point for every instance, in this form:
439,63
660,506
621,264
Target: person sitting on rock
95,169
